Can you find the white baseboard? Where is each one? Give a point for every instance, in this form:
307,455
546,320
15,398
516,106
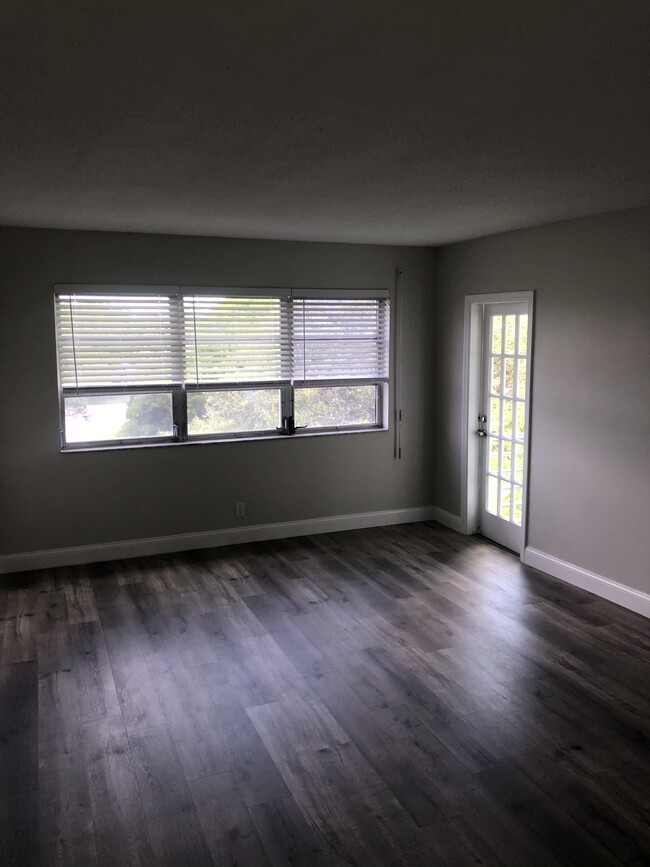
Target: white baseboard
209,539
454,522
634,600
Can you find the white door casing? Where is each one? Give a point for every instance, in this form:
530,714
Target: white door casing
497,379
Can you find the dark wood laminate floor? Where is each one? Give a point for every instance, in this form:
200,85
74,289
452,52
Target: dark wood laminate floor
395,696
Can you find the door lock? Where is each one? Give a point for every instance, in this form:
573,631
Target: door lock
482,419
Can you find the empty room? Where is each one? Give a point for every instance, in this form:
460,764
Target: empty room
324,439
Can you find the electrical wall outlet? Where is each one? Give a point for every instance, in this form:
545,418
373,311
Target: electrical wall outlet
240,510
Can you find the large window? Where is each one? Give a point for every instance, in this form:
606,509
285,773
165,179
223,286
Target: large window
168,364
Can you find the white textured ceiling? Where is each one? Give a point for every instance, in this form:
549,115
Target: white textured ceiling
330,120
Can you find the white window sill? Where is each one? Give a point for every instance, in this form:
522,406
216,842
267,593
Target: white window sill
108,447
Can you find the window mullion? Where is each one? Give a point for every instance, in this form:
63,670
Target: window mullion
179,413
287,402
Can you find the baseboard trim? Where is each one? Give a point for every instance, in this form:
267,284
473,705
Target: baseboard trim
210,539
634,600
454,522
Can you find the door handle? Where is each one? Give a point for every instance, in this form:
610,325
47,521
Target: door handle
481,433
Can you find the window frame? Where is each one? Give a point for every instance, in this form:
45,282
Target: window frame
381,389
98,391
179,391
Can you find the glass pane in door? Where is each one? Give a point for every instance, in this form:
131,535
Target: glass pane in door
506,401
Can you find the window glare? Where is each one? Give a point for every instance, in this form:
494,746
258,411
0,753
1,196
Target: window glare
99,418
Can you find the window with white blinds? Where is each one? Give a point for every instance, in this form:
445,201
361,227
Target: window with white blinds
340,338
180,363
236,339
118,340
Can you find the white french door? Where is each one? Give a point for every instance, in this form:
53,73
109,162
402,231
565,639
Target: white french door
502,422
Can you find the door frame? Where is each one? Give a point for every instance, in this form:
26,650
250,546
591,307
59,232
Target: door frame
471,405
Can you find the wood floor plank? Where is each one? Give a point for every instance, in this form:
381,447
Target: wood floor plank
257,776
287,837
20,842
18,730
269,612
172,823
51,612
115,605
456,842
80,598
232,562
545,818
370,682
66,828
301,653
615,698
332,630
189,641
620,835
343,798
227,825
504,834
234,621
116,806
194,722
607,740
419,771
252,768
263,674
95,682
20,627
321,781
296,724
135,690
59,722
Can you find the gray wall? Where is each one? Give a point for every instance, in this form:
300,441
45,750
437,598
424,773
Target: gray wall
590,431
52,500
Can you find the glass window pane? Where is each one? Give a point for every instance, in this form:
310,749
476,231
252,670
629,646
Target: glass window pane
507,418
506,459
510,335
492,495
509,378
521,378
336,406
521,420
523,334
518,505
505,496
519,463
495,415
495,378
102,418
497,327
237,411
493,452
